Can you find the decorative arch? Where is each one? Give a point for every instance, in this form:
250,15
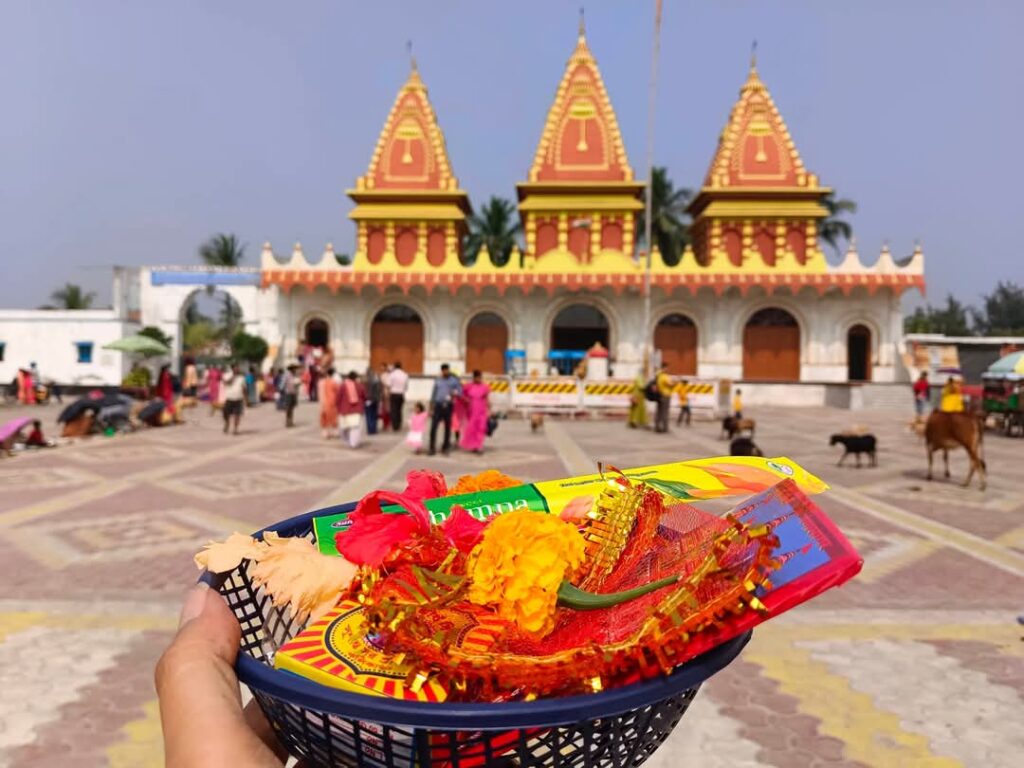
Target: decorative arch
317,315
772,344
860,345
494,307
397,339
486,335
178,332
676,336
606,308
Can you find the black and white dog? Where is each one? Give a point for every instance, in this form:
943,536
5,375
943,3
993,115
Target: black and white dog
856,444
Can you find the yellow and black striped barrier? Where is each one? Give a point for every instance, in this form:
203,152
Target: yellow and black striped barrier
697,388
546,387
499,385
616,388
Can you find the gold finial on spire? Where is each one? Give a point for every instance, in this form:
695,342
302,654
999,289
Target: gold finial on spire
753,56
583,28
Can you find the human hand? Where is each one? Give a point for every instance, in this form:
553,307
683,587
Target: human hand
204,723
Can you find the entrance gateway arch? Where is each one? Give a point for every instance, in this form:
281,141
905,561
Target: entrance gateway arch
164,293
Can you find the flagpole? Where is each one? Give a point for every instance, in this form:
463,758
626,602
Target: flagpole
652,89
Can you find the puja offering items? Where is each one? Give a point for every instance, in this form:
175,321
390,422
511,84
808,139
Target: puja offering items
493,493
563,588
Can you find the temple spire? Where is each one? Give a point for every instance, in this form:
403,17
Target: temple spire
753,56
583,26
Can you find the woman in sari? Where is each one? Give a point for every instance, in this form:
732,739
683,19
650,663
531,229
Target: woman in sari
474,424
638,402
327,392
26,387
213,377
165,387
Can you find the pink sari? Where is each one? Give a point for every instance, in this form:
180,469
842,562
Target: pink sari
474,427
213,377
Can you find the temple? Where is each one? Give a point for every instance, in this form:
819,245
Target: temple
753,297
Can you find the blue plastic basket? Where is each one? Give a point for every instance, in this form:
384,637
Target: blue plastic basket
328,727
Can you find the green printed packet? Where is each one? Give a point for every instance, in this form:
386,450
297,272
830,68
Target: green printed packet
682,481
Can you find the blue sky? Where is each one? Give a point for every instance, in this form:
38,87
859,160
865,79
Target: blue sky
132,131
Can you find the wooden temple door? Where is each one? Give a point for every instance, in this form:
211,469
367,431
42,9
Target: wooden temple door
486,343
771,347
675,337
396,335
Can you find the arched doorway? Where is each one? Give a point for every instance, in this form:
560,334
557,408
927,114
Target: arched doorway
577,327
396,335
675,336
858,353
317,333
771,346
209,319
486,342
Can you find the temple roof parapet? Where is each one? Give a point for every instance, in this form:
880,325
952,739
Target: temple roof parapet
606,270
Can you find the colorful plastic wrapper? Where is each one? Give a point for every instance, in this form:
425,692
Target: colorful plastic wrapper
700,479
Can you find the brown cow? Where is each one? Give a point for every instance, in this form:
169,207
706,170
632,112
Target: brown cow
949,430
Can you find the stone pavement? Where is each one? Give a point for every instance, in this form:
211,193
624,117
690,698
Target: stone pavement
917,662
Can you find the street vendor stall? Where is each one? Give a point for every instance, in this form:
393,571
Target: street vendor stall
1001,397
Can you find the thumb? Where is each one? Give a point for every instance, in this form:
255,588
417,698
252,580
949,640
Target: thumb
200,703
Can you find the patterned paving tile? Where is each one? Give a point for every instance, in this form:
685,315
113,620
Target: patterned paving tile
113,524
237,484
27,477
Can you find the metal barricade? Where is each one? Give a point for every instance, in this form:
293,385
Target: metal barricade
546,394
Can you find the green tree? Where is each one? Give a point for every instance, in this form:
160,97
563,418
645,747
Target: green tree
250,349
72,296
197,337
670,223
497,226
230,316
155,333
833,228
1003,314
950,320
222,251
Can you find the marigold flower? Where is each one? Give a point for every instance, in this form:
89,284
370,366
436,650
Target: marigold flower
488,480
520,564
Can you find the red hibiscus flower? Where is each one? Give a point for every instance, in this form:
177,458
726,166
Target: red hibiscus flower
422,484
372,534
462,530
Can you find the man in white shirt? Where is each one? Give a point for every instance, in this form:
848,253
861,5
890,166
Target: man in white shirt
397,383
233,392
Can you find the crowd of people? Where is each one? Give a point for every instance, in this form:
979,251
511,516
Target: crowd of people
29,388
351,405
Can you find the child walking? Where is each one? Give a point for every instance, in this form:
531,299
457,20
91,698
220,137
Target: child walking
417,425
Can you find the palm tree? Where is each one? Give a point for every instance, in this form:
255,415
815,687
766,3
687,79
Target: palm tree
496,226
222,251
670,223
72,296
832,228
